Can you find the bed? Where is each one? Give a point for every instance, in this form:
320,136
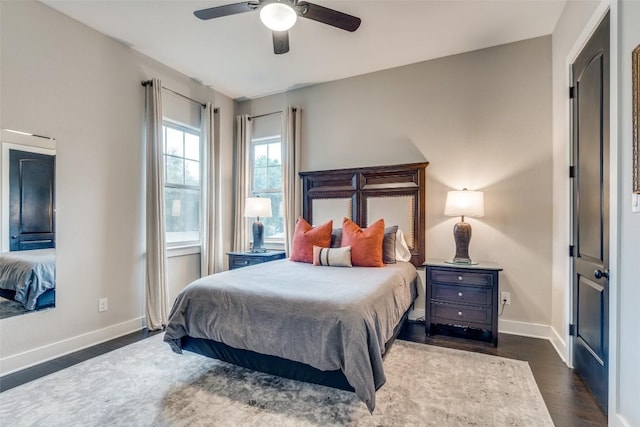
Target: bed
326,325
29,277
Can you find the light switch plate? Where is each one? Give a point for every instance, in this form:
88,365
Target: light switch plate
635,203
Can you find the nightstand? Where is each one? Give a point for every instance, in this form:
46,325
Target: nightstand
243,259
463,296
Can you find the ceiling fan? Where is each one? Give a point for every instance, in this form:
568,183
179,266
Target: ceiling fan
280,15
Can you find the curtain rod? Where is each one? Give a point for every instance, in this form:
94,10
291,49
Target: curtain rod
149,82
264,115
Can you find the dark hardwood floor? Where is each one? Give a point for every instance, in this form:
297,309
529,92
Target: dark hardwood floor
569,401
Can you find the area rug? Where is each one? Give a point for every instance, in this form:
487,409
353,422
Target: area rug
146,384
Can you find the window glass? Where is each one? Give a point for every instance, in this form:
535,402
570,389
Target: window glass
174,142
175,170
266,180
192,146
182,184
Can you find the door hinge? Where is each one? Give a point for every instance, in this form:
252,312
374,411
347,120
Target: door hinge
571,250
571,92
572,329
572,171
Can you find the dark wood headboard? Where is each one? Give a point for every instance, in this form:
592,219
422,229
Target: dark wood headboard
395,193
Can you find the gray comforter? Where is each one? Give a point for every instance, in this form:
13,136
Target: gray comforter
328,317
28,273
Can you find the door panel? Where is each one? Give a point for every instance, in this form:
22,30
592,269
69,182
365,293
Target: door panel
589,128
31,199
590,121
591,298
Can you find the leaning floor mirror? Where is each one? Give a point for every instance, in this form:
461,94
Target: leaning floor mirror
27,223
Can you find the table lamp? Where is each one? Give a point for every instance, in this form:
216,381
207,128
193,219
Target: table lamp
257,207
463,203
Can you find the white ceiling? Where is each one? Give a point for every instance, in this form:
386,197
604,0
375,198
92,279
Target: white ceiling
234,54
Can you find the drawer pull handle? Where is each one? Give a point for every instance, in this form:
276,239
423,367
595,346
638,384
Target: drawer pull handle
459,294
459,277
459,313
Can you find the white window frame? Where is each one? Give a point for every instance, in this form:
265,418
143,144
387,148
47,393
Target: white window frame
269,242
186,247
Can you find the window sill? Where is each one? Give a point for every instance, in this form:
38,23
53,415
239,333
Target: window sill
177,251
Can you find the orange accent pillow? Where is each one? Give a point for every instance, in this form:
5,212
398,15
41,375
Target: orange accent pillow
366,243
306,236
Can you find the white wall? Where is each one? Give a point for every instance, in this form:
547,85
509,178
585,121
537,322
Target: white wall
629,229
62,79
483,121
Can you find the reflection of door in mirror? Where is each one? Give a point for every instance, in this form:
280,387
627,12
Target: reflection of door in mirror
27,217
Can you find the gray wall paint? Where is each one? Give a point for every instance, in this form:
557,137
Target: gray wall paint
63,79
483,121
629,226
571,24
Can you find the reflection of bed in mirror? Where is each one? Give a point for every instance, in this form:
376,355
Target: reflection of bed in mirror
27,223
29,277
326,325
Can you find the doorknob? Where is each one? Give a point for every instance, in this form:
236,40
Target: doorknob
598,274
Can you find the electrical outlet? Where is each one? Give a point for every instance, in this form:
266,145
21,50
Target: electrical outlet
505,297
103,304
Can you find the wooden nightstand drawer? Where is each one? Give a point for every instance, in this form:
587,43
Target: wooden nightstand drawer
241,261
245,259
462,277
461,315
462,294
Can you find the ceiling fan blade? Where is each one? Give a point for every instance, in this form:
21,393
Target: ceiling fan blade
280,42
228,9
329,16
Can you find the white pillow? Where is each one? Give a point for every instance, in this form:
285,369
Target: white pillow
402,249
334,257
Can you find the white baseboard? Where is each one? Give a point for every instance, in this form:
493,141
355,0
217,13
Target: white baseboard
560,345
533,330
620,421
47,352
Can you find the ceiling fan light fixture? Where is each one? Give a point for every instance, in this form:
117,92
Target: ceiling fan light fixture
278,16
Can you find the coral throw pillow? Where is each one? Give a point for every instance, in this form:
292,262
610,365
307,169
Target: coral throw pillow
306,236
366,243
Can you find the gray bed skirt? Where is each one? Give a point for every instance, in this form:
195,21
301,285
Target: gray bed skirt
277,365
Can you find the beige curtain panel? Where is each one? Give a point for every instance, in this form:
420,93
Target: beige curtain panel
157,302
243,148
212,259
291,186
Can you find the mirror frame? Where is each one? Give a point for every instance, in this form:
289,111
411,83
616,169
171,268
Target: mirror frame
15,140
635,77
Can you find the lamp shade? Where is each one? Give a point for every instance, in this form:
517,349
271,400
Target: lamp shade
278,16
257,207
464,203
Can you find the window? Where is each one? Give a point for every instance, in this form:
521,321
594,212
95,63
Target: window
181,184
266,181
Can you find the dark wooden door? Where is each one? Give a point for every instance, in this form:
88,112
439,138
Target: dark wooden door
31,200
591,213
